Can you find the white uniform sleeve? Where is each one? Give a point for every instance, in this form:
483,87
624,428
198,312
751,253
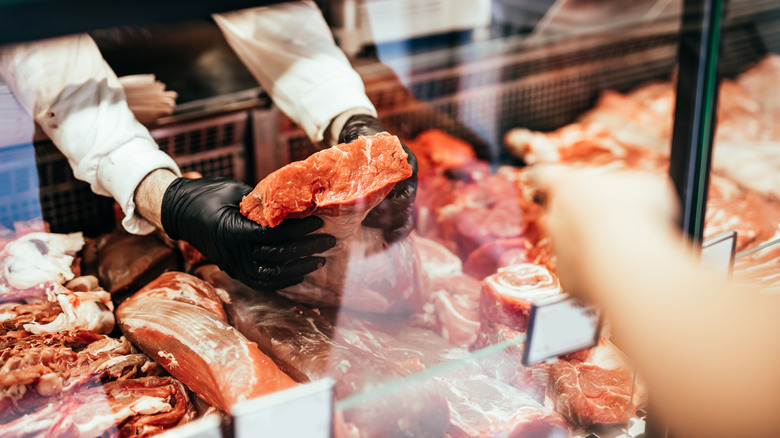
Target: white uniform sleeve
72,93
290,50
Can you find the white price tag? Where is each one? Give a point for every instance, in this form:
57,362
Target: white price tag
305,410
560,325
718,253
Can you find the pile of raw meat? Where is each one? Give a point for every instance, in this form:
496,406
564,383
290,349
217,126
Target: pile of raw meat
633,131
64,371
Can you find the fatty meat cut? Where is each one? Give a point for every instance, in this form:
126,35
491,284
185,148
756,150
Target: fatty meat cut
178,320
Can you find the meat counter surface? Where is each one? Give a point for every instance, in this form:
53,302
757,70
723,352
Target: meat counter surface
483,259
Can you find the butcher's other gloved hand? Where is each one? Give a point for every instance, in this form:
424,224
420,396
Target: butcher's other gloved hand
394,215
205,213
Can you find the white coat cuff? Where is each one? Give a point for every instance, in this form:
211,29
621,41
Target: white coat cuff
120,173
323,104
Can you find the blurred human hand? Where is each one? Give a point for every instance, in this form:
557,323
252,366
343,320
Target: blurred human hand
592,211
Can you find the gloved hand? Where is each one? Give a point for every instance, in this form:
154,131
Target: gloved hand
205,213
394,214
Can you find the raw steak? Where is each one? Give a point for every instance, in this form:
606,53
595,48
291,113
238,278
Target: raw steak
588,394
483,211
457,310
508,295
126,262
601,389
438,263
437,151
138,407
179,321
345,180
301,341
341,185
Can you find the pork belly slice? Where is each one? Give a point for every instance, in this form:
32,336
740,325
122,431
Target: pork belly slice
507,296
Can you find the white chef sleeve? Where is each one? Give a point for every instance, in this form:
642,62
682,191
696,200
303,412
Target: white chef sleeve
72,93
290,50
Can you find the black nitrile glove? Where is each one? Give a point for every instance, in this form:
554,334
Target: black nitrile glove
394,214
205,213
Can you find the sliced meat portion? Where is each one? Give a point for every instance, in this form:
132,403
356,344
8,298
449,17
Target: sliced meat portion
341,185
587,394
508,295
438,263
599,390
488,209
138,407
479,406
126,262
178,320
437,151
344,180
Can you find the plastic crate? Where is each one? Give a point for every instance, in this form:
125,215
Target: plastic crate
214,147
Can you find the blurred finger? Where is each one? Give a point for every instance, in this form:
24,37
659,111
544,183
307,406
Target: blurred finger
302,247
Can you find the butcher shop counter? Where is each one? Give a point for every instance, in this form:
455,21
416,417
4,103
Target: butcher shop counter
129,335
134,335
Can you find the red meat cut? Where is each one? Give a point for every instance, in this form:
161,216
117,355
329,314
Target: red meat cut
588,394
179,321
507,296
346,179
341,185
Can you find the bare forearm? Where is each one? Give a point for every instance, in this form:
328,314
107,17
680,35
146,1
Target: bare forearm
707,348
149,195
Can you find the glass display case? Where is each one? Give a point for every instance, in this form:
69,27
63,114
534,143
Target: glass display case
106,333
